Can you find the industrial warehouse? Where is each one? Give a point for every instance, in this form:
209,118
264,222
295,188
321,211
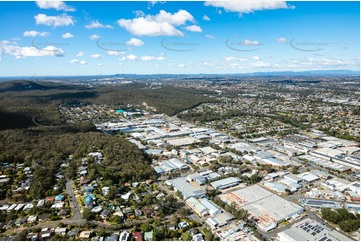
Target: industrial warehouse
267,208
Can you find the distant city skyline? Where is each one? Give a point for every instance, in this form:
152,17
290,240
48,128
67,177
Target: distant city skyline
101,38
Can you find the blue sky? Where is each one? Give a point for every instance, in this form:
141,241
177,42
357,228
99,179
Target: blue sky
99,38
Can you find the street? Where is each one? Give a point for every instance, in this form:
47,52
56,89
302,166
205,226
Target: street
73,203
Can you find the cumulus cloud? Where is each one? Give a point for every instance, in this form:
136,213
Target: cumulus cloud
67,36
209,36
80,62
94,36
96,56
181,65
249,6
206,18
261,64
194,28
81,53
135,42
256,57
149,58
234,58
162,24
115,53
54,21
142,58
54,4
33,33
97,25
22,52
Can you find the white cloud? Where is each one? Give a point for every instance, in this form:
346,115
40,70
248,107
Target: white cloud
99,64
256,57
260,64
54,21
97,25
322,63
33,33
129,57
81,53
281,40
115,53
234,58
22,52
76,61
54,4
194,28
209,36
206,18
135,42
96,56
248,6
208,63
160,58
142,58
147,58
67,36
94,36
250,43
162,24
182,66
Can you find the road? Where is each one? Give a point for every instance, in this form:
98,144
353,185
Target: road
73,203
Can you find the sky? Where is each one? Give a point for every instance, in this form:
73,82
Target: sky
215,37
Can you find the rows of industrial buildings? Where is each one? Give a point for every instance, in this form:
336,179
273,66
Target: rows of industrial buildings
181,147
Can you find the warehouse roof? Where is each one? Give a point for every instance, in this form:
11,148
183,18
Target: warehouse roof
311,230
227,182
185,188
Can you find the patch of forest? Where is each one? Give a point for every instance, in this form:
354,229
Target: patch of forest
45,150
23,101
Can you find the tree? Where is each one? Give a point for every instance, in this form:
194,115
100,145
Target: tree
112,192
186,236
208,235
87,214
115,219
288,191
294,170
145,227
350,225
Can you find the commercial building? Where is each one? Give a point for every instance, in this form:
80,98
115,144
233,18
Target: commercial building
212,209
187,190
226,183
219,220
197,206
170,165
311,230
320,203
325,163
265,207
308,177
278,187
